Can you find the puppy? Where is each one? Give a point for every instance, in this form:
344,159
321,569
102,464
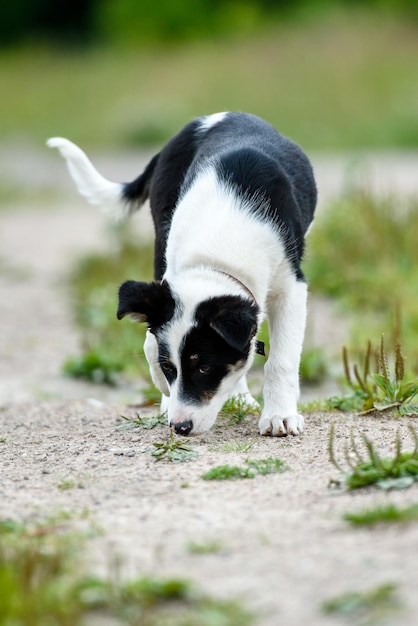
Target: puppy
232,200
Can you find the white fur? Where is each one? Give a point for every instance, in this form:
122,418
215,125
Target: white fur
255,257
211,120
90,184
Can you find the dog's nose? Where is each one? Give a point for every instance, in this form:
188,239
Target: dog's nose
183,428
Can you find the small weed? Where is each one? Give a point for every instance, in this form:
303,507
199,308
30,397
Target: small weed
262,467
379,391
267,466
143,422
227,472
209,547
234,446
398,472
173,450
371,605
383,515
67,484
236,409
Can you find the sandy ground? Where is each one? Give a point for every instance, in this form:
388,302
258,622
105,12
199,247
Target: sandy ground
284,545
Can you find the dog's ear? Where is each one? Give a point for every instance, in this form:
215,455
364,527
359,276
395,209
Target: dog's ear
146,302
233,318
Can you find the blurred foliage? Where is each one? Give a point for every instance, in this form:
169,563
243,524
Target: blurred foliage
139,22
335,83
109,345
363,252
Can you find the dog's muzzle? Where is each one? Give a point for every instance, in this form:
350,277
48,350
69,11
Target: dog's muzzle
182,428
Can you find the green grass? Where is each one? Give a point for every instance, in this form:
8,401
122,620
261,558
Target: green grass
345,80
236,410
387,514
212,546
367,468
109,345
371,606
234,446
174,450
253,467
95,366
143,422
379,391
43,583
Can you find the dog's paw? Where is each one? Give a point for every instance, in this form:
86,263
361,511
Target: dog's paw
276,426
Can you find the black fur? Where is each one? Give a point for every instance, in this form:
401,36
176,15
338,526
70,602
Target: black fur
147,302
248,153
206,358
234,319
218,341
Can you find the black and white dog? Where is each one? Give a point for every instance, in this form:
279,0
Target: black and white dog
231,199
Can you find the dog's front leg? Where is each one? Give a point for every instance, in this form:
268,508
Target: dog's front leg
287,318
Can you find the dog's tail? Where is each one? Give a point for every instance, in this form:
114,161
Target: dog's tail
117,199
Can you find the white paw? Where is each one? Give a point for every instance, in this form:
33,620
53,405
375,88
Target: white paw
275,426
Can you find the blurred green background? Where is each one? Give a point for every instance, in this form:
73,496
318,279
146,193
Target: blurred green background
331,74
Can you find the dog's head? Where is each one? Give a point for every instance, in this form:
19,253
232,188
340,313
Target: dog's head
202,348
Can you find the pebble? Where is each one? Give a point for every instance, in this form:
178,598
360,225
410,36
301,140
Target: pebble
122,451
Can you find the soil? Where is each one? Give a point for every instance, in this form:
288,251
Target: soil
284,546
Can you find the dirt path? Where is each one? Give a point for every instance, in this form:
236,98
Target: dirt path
284,546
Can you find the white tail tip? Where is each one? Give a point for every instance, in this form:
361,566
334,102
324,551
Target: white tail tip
90,184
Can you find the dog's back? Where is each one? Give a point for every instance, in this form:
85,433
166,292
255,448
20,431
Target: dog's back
249,155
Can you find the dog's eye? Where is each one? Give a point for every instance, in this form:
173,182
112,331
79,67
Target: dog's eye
169,370
204,368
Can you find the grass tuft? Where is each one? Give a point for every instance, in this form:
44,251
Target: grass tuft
378,391
261,467
143,422
383,515
174,450
371,605
367,468
236,409
209,547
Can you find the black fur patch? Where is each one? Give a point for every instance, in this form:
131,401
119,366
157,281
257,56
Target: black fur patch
219,343
147,302
205,361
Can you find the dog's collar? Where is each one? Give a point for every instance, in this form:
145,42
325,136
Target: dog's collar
259,345
240,283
